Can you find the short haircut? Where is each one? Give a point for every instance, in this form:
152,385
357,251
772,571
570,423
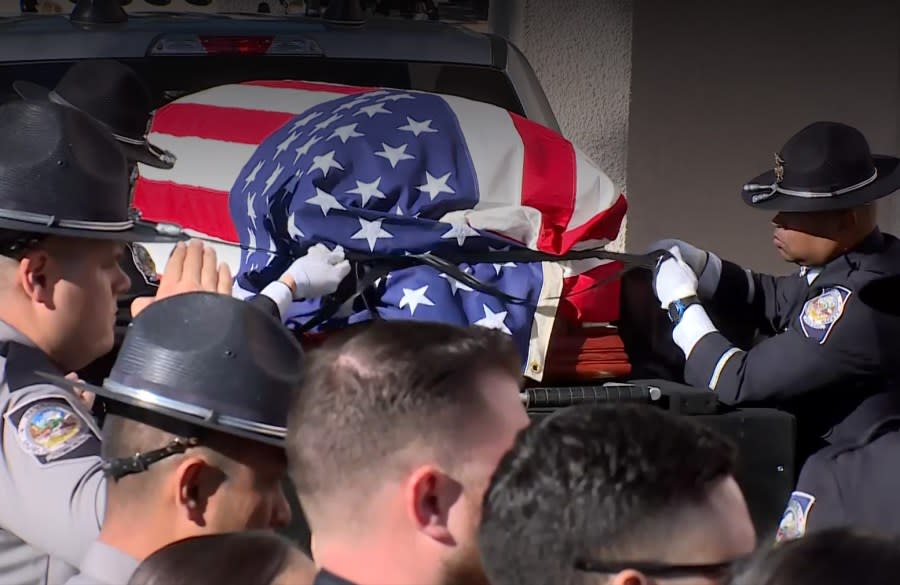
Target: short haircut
369,395
830,557
231,558
594,482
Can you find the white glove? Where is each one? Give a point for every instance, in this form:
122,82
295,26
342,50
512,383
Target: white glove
674,279
318,273
705,265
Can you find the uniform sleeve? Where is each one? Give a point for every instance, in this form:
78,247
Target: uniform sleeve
52,483
759,301
831,341
819,485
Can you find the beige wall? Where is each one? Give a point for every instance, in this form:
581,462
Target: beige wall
682,102
717,88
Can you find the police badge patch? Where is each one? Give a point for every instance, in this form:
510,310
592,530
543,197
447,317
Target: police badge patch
144,263
793,523
50,430
819,314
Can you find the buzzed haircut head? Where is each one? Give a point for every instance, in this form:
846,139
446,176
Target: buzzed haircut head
390,390
598,482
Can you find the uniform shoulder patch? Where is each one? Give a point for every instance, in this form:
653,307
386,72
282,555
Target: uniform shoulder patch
821,313
144,263
51,430
796,515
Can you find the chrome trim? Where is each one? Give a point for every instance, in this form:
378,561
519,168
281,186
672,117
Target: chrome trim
153,399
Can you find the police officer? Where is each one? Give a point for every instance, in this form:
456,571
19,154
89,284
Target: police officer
193,442
854,481
114,95
64,219
819,356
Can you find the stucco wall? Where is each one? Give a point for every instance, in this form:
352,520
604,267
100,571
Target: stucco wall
718,87
581,53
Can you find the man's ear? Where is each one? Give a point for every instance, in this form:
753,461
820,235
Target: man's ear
33,274
630,577
430,494
196,481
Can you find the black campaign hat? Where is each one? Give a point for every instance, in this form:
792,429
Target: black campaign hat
210,360
826,166
114,95
62,173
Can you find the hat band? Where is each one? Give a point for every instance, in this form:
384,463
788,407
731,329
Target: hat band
75,224
775,189
199,412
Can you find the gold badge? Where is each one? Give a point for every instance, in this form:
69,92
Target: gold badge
779,168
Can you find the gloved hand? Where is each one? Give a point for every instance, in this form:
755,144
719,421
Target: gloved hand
318,273
674,279
692,255
705,265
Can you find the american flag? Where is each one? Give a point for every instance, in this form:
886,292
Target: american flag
281,165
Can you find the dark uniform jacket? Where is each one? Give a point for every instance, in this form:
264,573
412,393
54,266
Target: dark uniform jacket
825,352
855,480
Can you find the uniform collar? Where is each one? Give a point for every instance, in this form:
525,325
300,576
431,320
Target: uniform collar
871,244
10,333
107,565
326,578
868,418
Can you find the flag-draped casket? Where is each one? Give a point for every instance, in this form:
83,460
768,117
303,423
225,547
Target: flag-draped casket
277,166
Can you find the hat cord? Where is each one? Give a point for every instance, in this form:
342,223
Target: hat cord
775,188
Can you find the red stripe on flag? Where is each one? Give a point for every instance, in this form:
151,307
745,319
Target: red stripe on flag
603,226
310,86
548,180
239,125
193,208
583,302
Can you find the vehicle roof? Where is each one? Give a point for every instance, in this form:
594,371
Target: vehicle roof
53,37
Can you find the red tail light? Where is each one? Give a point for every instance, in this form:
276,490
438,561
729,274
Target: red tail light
235,45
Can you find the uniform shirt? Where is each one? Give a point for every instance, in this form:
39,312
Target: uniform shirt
104,565
323,577
51,481
821,338
854,481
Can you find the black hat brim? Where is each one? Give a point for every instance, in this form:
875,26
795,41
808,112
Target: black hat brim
28,90
141,232
888,181
882,295
196,421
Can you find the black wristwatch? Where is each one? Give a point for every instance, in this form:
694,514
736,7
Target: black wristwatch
678,307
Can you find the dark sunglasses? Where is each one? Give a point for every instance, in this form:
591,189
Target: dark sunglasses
659,570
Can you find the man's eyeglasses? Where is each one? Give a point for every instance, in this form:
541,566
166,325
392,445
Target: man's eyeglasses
659,570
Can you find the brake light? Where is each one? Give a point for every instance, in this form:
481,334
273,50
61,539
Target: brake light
188,44
235,45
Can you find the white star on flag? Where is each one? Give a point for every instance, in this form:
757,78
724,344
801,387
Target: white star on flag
497,266
251,243
252,176
325,201
304,150
417,127
251,213
396,97
324,163
459,230
272,178
292,228
414,298
455,285
286,143
435,186
326,123
373,110
371,231
394,154
305,120
345,133
352,104
368,190
494,320
399,210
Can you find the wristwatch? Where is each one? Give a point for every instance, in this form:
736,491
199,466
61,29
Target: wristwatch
677,307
